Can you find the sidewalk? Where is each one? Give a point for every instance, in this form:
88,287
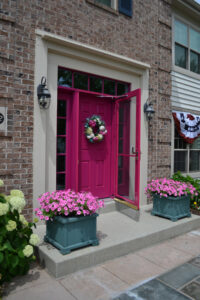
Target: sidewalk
133,276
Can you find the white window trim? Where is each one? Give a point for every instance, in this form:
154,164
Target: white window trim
192,174
177,68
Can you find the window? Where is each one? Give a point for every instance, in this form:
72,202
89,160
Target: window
88,82
123,6
106,2
187,47
186,156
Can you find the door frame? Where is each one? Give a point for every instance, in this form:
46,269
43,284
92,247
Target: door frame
72,147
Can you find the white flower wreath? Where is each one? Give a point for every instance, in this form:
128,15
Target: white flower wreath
95,129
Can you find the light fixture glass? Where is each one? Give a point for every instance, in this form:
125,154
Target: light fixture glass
149,110
44,97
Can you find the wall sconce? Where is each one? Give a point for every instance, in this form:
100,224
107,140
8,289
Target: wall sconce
44,97
149,110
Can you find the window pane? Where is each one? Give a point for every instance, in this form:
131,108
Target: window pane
60,145
106,2
180,56
60,163
95,84
120,162
179,142
194,160
194,40
119,176
109,87
61,126
61,108
195,144
60,183
80,81
180,161
64,77
181,35
122,88
194,62
121,114
120,146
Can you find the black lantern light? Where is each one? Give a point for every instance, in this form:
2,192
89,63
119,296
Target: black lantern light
149,110
44,97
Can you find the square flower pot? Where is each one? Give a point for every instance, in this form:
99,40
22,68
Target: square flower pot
172,208
67,233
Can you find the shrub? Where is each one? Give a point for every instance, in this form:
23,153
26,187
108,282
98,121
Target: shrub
17,240
195,201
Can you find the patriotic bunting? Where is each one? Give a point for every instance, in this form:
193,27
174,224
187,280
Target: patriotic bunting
188,125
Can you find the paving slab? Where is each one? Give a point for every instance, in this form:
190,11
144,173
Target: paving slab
95,283
50,291
195,261
189,242
192,290
118,235
152,290
165,256
181,275
133,268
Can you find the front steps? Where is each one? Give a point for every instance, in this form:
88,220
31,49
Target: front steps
118,234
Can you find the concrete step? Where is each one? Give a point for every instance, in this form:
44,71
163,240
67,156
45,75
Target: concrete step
118,235
110,205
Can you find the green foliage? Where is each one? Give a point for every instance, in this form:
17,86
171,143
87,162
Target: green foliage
15,233
195,202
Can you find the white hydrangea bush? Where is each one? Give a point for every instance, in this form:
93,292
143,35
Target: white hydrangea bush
17,240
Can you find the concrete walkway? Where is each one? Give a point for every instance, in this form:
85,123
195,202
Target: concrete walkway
123,278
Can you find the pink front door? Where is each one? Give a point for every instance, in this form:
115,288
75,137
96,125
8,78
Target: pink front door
111,167
95,159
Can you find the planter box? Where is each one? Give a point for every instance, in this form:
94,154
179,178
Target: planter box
172,208
67,233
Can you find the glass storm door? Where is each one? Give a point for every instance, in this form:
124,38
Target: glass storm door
128,111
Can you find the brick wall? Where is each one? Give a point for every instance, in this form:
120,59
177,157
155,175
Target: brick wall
145,37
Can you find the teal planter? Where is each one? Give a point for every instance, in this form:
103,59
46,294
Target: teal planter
172,208
68,233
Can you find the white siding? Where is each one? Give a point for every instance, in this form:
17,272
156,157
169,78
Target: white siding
185,91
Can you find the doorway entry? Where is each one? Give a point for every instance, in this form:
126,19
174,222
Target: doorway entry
110,168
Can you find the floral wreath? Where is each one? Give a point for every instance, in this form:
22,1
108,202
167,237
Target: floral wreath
95,129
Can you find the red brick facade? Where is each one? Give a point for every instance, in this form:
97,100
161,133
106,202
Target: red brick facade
145,37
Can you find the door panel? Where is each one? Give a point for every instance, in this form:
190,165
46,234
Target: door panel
95,158
128,147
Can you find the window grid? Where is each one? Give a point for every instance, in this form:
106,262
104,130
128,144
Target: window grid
104,80
188,49
186,156
61,136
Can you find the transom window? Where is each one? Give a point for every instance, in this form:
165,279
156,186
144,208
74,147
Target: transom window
187,47
93,83
186,156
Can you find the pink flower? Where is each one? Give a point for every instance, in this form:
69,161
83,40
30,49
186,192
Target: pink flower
67,203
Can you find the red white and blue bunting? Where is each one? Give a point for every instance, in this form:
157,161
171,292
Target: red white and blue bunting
188,125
